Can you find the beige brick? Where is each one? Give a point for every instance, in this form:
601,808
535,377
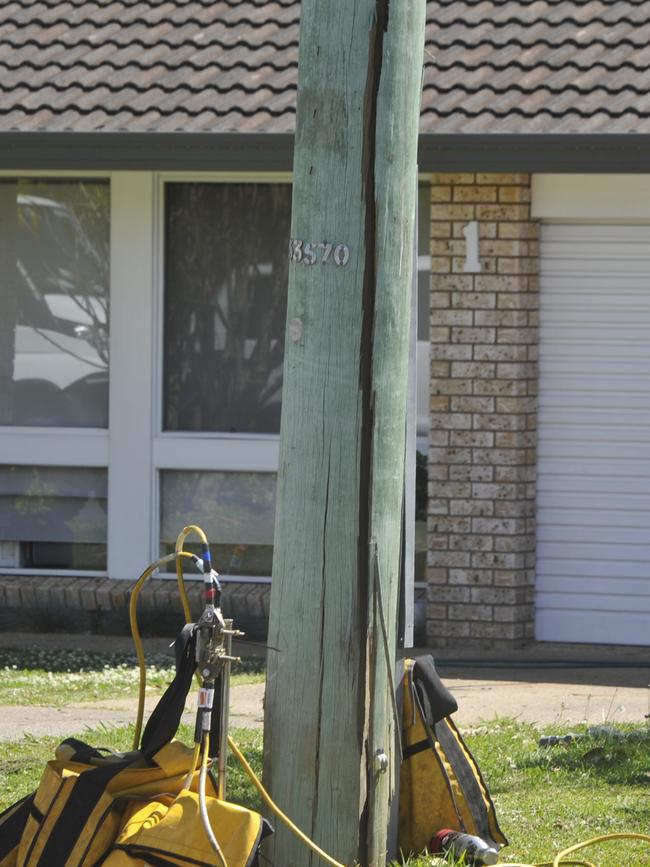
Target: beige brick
500,284
499,457
440,193
440,265
450,421
450,455
498,422
483,193
516,371
440,229
457,352
500,353
471,542
439,368
501,178
455,283
517,266
455,212
461,334
439,335
472,404
500,526
503,319
516,405
449,524
472,507
505,387
515,440
469,473
470,612
514,194
518,301
498,491
469,577
476,439
451,594
440,300
523,230
474,301
473,370
502,213
453,178
439,403
459,559
452,317
451,386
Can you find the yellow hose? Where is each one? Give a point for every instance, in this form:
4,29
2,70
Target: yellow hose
178,555
135,630
278,812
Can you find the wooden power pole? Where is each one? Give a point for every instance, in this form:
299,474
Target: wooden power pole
330,739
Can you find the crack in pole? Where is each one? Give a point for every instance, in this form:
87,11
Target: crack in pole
321,656
375,60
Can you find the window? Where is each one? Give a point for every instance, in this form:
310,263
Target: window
54,303
225,306
54,358
225,272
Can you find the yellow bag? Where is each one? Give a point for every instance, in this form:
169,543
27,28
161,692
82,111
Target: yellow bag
440,783
87,801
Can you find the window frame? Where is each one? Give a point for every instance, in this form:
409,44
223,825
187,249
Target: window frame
200,450
59,446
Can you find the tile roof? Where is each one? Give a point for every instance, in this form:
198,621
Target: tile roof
491,66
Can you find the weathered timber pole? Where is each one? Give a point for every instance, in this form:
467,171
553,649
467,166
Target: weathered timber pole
328,714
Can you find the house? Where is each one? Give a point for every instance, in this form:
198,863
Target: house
145,168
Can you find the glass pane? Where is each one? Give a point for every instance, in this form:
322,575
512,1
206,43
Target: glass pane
53,517
54,279
236,510
225,306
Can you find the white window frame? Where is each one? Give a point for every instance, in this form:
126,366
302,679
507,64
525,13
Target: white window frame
57,446
213,451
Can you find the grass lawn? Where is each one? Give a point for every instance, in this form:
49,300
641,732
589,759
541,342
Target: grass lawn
546,798
63,677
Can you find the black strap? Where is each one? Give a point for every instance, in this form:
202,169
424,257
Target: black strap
84,797
435,699
166,716
12,824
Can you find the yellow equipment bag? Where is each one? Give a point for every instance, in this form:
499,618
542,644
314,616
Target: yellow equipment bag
440,783
132,808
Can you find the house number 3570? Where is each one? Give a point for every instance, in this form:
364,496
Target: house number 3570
312,253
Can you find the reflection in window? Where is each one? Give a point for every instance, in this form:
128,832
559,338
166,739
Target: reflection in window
236,510
54,277
53,517
225,305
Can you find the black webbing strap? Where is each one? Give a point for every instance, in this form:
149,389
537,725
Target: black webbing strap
416,748
84,797
435,699
166,716
12,824
466,779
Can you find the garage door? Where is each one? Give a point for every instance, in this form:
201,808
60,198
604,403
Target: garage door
593,534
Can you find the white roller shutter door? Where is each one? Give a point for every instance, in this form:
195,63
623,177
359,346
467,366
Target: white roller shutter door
593,486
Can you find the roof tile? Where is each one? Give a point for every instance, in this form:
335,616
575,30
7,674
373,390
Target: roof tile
516,66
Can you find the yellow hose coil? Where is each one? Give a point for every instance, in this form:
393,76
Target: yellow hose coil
178,555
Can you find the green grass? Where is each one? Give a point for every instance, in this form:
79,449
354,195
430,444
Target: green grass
21,762
546,798
62,677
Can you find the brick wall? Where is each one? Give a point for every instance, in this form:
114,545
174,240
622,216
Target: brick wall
482,459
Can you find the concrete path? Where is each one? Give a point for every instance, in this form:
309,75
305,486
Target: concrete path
543,685
536,700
